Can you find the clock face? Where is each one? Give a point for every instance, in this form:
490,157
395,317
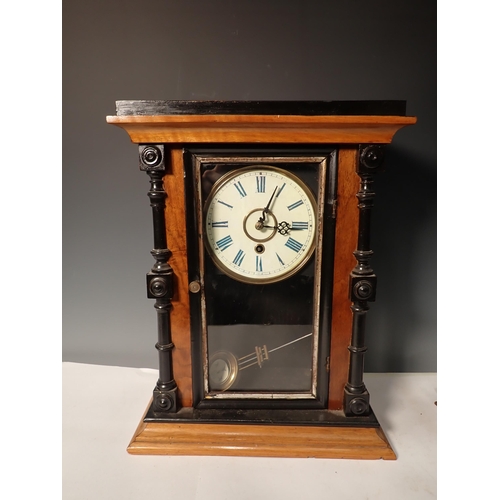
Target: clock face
260,224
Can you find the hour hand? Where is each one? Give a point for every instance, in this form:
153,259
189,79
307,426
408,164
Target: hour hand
283,227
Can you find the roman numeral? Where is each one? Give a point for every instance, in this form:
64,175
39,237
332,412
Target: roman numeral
295,205
240,189
293,244
280,189
279,258
239,258
224,243
300,225
261,184
222,223
258,263
224,203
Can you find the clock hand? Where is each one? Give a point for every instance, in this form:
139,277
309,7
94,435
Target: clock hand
263,218
283,227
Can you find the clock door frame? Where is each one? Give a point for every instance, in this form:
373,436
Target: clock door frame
324,160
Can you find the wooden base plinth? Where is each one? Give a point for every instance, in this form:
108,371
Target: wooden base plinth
260,441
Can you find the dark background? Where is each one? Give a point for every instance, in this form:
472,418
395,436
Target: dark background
243,50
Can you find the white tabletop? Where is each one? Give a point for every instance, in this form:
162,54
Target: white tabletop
102,406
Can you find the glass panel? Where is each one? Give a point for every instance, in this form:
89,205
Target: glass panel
276,358
260,335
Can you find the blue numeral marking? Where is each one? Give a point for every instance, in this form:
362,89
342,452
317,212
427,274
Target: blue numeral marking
261,184
222,223
280,189
293,244
224,203
240,189
258,263
300,225
295,205
279,258
239,258
224,243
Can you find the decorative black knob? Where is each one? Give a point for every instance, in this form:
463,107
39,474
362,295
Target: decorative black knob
358,406
164,402
151,156
372,156
363,290
158,287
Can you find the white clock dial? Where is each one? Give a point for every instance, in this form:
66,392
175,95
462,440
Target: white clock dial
260,224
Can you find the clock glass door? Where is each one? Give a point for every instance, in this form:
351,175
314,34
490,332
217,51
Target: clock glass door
261,251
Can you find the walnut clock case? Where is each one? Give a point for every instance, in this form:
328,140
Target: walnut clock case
262,276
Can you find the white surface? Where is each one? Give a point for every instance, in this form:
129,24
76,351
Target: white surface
102,406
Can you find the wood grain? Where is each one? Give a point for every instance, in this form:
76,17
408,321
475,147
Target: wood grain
176,237
260,441
345,243
261,128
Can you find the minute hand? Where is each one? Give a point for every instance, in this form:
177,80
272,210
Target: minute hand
266,210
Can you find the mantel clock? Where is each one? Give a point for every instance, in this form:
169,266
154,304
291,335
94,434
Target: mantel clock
263,287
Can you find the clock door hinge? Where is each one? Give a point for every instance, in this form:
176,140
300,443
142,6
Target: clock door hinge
334,209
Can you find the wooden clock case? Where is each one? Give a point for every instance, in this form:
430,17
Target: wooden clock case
357,131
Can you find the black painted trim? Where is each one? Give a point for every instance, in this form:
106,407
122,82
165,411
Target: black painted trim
303,417
305,108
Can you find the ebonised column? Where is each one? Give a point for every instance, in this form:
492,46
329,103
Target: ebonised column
363,281
160,280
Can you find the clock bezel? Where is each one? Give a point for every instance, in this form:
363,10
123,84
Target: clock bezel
227,178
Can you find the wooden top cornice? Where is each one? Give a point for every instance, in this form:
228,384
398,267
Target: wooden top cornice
286,122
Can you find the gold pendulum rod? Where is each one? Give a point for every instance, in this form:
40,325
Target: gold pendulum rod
262,354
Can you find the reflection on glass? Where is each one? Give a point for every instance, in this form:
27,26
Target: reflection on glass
255,358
